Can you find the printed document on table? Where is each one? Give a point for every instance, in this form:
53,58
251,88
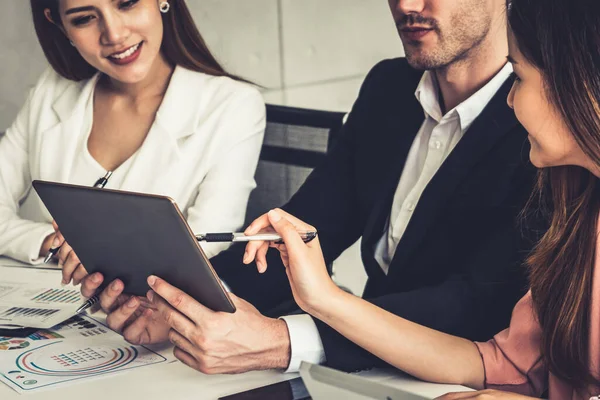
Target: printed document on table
75,351
35,304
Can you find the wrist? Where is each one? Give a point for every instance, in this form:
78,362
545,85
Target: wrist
280,344
46,245
319,306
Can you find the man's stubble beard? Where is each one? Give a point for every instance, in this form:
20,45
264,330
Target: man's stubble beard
444,53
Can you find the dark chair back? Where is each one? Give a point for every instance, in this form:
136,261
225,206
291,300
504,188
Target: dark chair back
296,141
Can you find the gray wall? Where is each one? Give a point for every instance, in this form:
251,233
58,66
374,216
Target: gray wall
307,53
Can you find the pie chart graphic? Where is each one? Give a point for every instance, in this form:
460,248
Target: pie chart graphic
58,359
13,344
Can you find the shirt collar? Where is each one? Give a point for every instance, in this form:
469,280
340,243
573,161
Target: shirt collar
427,94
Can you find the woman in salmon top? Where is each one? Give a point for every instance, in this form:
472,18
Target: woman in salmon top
552,346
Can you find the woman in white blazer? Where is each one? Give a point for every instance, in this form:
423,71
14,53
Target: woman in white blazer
134,90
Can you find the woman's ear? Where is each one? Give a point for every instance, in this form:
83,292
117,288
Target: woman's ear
48,15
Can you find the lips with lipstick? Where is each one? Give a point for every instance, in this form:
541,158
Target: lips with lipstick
414,33
126,56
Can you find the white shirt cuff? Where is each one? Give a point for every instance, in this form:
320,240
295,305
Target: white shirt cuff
305,342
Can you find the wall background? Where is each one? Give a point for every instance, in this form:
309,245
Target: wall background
305,53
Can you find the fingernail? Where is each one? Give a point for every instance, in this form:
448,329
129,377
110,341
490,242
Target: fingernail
246,256
151,280
274,216
132,302
63,283
55,242
96,278
259,265
150,295
115,285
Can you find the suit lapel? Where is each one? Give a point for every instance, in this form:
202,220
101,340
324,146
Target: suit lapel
381,211
403,131
493,123
160,154
56,163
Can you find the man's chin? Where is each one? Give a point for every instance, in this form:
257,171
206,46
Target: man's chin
421,62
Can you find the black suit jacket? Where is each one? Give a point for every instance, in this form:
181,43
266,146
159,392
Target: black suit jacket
458,267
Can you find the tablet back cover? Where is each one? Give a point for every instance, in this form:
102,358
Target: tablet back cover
131,236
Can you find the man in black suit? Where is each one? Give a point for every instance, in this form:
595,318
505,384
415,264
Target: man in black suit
431,170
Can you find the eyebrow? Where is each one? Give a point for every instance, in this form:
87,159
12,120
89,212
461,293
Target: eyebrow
78,9
511,60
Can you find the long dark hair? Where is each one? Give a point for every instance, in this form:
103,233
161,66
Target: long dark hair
182,43
561,39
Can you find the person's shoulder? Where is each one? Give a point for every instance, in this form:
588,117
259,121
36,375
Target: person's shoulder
388,85
394,70
391,81
218,88
52,87
52,81
233,101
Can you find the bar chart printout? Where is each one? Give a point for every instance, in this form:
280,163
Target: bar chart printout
24,304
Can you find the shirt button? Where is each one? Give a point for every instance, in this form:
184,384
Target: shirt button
410,207
437,144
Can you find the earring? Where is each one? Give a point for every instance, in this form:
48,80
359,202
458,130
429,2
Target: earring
72,44
165,7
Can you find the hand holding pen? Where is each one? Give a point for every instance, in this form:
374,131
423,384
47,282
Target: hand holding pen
257,251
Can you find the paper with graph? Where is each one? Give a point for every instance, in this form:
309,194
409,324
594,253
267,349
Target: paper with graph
36,305
79,349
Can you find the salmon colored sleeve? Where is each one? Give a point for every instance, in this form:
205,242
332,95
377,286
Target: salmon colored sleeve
512,359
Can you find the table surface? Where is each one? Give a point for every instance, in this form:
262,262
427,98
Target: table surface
177,381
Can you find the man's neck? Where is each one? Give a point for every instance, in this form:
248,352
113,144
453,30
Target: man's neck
461,79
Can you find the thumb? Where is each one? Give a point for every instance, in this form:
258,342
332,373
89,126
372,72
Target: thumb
286,230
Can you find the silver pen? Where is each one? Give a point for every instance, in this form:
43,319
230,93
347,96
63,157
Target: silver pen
306,236
89,302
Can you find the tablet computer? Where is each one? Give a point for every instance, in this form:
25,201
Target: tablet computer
326,383
292,389
131,236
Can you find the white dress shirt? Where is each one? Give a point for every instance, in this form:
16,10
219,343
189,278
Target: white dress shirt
435,140
201,150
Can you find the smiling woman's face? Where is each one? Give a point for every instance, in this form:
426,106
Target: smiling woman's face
121,38
552,143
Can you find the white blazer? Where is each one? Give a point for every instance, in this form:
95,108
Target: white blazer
201,150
